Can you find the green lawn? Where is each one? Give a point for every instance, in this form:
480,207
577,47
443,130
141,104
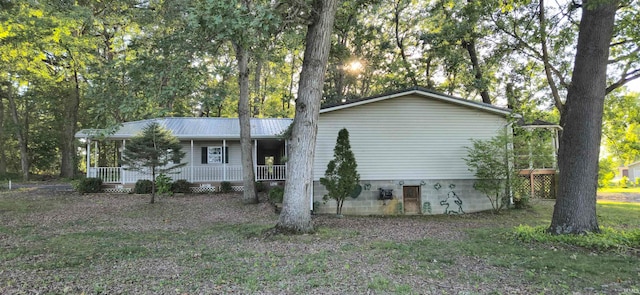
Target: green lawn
619,190
213,244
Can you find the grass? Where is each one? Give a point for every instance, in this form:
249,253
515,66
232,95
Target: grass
477,254
619,190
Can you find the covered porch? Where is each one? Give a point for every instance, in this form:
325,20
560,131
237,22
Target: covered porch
211,145
268,156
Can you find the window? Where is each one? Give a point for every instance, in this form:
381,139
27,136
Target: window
214,155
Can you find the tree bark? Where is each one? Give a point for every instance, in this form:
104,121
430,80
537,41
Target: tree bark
257,102
249,195
575,209
296,211
545,58
400,43
470,46
69,126
21,134
3,156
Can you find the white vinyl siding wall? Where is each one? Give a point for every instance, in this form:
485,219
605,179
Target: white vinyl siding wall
234,151
407,137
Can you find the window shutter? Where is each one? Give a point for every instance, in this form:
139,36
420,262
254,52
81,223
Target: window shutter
226,155
204,155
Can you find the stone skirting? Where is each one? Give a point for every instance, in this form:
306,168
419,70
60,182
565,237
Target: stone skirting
442,196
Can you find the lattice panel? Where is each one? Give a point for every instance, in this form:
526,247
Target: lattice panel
204,189
237,188
117,190
544,186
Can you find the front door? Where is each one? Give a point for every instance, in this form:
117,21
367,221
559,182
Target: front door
411,199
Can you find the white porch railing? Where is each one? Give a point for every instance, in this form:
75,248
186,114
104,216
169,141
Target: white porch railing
271,172
192,174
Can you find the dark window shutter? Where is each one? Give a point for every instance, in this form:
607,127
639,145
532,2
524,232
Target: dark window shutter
204,155
226,155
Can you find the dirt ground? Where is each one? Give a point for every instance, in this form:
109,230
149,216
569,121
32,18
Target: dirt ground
620,197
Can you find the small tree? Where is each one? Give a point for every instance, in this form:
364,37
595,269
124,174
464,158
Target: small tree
341,178
154,151
492,161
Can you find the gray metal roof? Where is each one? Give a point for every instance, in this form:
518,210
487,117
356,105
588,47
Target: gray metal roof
196,128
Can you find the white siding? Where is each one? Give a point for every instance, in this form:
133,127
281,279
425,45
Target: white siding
406,138
234,151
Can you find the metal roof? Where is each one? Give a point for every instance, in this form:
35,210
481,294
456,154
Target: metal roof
196,128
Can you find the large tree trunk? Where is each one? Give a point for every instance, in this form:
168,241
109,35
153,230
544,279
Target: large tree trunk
244,115
69,126
296,211
575,209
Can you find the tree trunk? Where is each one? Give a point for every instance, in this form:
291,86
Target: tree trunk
69,126
400,43
249,195
545,58
21,134
257,102
3,156
470,46
575,209
296,211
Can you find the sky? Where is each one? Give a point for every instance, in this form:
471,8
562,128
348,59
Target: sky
634,85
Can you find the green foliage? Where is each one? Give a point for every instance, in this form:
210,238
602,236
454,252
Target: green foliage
143,186
87,185
181,186
492,162
260,186
608,238
154,151
225,187
606,172
276,194
341,177
624,182
163,184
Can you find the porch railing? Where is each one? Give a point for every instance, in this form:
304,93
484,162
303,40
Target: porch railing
192,174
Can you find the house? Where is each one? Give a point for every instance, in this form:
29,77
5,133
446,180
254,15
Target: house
633,172
211,146
412,142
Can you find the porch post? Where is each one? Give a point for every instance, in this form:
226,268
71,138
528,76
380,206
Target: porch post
554,143
191,164
122,171
95,163
88,155
224,163
255,159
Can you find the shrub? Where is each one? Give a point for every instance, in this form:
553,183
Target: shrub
88,185
624,182
225,187
341,177
181,186
260,186
163,184
143,186
276,194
